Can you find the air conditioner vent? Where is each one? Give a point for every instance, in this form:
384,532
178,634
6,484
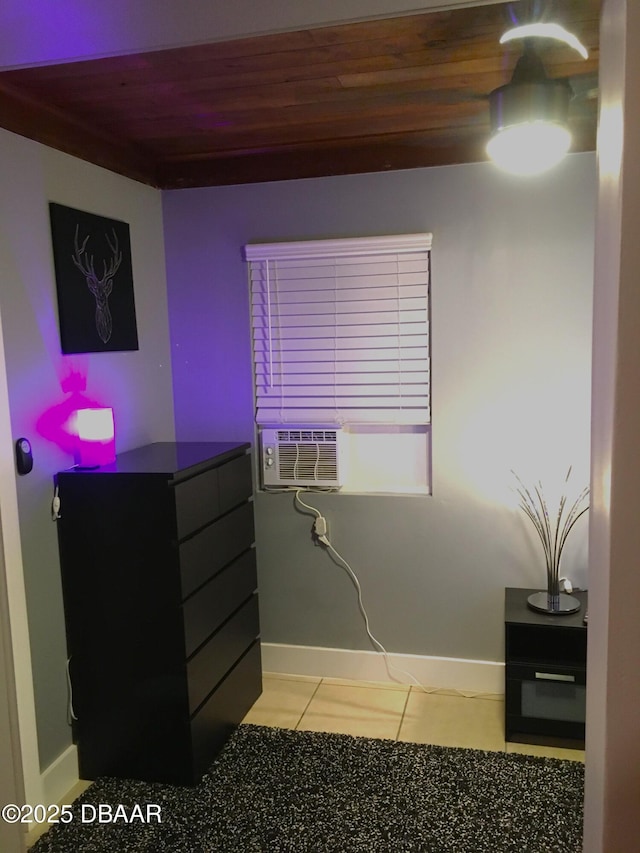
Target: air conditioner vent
308,456
307,434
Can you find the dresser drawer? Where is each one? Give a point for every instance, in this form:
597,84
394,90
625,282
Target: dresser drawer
219,655
211,605
212,548
235,482
225,709
197,502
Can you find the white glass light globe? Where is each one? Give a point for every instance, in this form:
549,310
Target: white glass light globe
529,148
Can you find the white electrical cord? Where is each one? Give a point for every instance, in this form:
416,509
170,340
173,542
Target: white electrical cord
323,538
55,505
71,714
312,509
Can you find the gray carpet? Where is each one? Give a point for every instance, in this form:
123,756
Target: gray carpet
280,791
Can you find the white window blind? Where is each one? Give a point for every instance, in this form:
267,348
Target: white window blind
341,330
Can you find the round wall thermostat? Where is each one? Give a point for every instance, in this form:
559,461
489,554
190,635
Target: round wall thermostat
24,456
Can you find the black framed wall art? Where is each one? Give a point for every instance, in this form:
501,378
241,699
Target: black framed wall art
94,281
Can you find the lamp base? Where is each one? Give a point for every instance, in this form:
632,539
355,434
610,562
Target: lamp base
560,604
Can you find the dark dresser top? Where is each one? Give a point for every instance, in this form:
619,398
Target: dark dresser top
168,458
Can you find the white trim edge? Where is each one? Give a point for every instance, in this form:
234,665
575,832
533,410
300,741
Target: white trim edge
476,676
60,776
11,564
342,247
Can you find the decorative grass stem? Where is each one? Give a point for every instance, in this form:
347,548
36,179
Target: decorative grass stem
552,534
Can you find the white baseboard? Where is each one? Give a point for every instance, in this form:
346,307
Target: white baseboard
60,777
476,676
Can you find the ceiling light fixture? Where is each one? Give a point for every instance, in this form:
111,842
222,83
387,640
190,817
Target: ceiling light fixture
529,118
548,31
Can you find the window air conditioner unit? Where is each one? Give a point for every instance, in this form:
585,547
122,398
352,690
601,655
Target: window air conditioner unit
301,456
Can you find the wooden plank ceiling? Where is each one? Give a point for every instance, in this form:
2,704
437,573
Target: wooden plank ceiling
373,96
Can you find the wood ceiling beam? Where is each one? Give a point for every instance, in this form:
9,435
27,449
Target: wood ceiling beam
36,120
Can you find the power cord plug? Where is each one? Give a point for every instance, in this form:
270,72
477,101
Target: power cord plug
320,530
55,506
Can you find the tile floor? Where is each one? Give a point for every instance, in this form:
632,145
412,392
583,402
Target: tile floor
396,711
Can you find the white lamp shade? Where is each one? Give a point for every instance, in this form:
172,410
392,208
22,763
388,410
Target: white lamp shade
529,148
96,437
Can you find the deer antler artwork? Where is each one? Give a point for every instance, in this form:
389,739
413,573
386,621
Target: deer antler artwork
100,286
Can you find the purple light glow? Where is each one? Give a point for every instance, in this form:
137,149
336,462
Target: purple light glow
58,423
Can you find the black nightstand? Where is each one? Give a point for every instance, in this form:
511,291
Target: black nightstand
545,672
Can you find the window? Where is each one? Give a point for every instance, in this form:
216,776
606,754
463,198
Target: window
341,338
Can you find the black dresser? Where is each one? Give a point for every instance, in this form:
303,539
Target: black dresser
161,606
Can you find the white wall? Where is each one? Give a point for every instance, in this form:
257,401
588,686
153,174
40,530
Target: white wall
15,756
77,30
137,384
511,320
